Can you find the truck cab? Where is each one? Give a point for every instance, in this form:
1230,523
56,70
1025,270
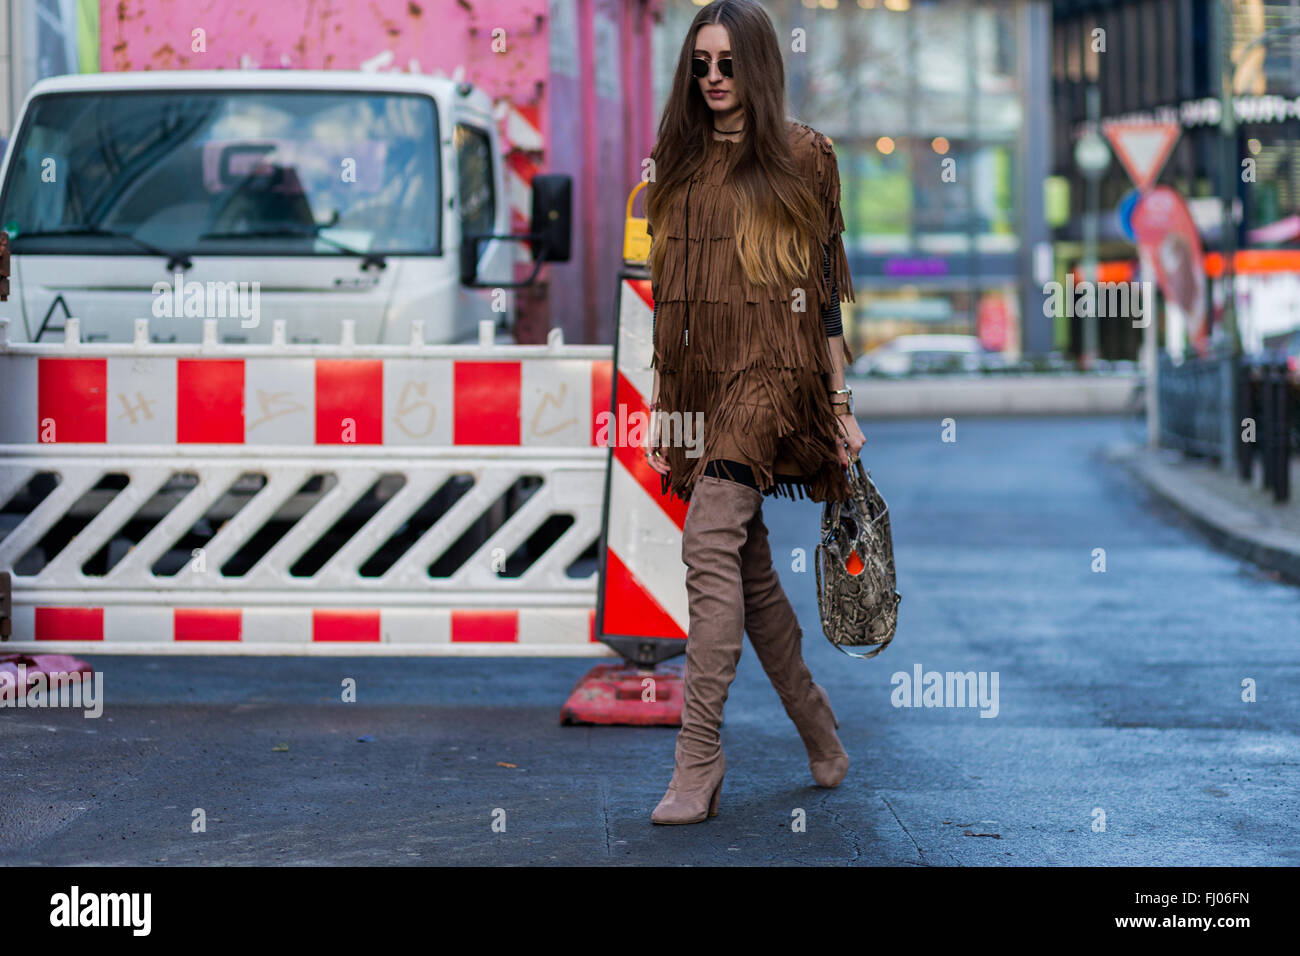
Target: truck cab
254,196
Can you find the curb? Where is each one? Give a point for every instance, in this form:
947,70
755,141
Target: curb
1228,527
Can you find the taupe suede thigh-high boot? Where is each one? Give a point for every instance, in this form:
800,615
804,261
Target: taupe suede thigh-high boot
778,640
714,533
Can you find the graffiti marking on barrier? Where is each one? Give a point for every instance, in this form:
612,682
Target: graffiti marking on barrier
551,398
406,405
143,405
275,405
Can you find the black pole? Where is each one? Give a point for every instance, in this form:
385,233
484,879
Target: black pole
1279,445
1269,424
1246,409
1284,432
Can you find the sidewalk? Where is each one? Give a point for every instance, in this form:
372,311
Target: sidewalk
1240,518
938,396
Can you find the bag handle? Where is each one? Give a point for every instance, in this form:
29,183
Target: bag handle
857,484
861,471
863,657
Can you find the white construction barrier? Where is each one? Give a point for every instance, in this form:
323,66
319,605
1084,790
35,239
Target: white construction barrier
291,499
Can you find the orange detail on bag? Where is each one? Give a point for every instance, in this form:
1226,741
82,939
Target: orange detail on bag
854,564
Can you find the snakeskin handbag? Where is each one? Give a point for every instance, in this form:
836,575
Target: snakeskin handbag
855,569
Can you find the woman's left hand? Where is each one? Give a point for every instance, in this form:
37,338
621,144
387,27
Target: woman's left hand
851,433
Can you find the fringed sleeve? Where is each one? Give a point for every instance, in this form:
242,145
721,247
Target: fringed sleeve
654,317
828,192
837,280
654,320
831,310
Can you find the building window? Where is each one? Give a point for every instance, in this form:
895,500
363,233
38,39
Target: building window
1058,53
1112,78
1199,16
1175,57
1091,56
1074,51
1133,90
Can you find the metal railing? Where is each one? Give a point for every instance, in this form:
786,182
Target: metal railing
1234,410
1267,400
1198,406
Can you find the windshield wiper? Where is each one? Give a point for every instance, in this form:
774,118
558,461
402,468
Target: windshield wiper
313,233
173,258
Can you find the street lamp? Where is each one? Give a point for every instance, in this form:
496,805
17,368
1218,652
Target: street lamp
1092,156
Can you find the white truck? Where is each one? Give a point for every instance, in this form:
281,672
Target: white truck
251,196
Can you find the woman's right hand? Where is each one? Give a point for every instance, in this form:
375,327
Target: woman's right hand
657,461
652,452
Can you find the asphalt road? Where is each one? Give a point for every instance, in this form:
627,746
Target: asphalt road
1121,736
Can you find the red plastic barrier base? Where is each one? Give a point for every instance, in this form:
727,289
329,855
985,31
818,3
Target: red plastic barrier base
40,664
618,694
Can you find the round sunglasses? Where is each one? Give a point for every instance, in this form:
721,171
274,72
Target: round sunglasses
700,67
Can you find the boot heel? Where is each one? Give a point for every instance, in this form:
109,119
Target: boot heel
826,757
713,800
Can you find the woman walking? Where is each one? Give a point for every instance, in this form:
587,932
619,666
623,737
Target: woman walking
747,270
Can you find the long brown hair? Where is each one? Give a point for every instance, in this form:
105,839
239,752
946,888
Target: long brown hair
778,221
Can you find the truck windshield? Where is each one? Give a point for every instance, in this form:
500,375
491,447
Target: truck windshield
226,172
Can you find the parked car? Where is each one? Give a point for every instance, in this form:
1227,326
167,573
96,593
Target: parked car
919,354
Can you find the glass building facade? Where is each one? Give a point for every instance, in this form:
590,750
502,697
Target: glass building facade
1162,63
927,104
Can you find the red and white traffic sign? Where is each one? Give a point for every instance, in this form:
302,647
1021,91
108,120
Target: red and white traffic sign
1143,148
1167,238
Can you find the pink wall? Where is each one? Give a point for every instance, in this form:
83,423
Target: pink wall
429,36
600,128
584,73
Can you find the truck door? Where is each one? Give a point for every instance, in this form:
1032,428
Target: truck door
480,206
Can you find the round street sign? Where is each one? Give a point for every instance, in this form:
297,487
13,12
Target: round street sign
1124,213
1091,154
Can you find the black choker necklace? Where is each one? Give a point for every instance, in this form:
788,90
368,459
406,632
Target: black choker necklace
730,131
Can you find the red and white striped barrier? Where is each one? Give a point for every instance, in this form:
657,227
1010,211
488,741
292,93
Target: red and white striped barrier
521,134
155,398
306,631
643,592
204,498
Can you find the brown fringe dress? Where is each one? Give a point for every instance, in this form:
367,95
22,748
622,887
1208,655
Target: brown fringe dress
741,354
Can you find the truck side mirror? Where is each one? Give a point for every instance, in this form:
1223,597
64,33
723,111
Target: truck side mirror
468,260
549,236
552,217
